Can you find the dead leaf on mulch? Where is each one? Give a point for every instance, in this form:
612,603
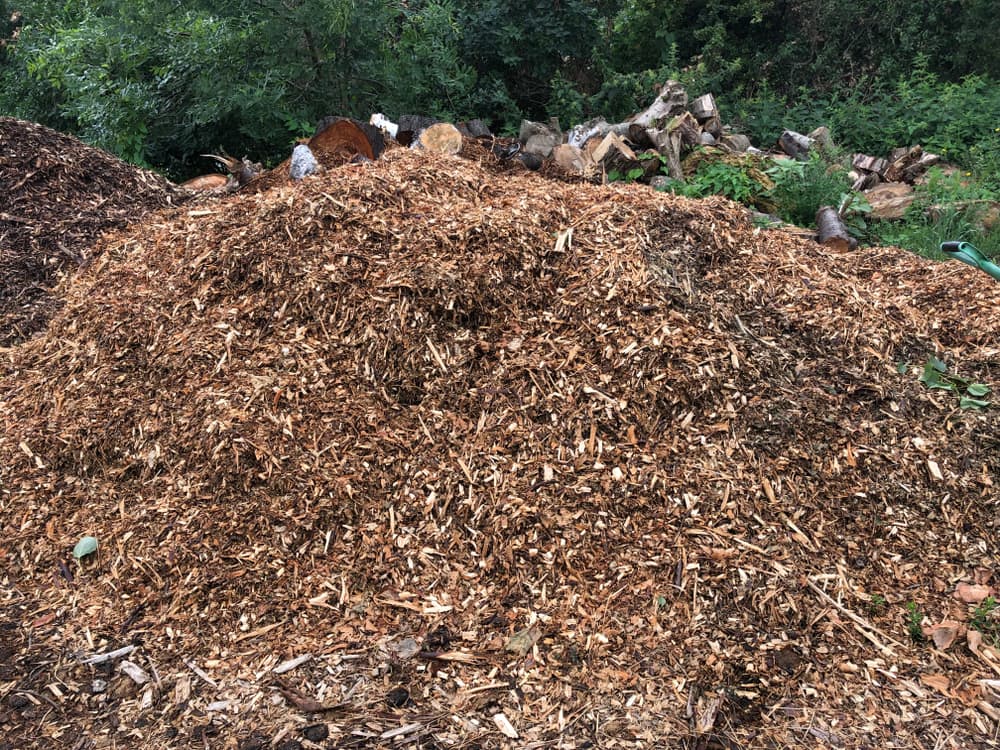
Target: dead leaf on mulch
973,593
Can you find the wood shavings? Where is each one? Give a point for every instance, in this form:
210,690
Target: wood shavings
399,403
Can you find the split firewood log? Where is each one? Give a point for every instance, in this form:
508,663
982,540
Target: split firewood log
614,155
703,108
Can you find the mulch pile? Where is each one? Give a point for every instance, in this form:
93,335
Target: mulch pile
57,197
415,454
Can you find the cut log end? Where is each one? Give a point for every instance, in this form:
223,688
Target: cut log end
442,138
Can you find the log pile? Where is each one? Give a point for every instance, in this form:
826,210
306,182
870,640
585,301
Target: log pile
428,452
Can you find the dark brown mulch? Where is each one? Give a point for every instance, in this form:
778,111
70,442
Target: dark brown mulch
57,196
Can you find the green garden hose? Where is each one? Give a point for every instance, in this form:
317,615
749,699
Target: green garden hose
969,255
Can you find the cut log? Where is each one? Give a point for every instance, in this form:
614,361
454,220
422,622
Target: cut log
713,126
890,199
441,138
639,136
473,129
373,134
670,102
340,141
580,134
821,137
830,229
795,144
411,126
531,161
687,128
867,163
540,137
703,108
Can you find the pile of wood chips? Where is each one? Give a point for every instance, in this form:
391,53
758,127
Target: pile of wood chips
57,196
419,454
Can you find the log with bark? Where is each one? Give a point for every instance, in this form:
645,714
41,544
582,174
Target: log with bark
342,139
830,230
540,137
411,126
372,133
670,102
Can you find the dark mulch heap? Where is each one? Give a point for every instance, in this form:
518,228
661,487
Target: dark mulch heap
57,196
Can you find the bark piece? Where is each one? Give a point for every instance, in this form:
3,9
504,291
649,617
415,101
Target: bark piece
830,229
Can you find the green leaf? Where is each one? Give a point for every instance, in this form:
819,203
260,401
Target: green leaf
86,546
978,389
973,403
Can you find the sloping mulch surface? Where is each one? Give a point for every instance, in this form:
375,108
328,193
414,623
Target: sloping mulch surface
57,196
660,481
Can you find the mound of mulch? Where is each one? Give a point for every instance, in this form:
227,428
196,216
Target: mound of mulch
419,453
59,196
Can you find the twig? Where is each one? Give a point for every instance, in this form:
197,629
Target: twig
859,620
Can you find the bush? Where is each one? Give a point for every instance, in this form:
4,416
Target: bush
801,187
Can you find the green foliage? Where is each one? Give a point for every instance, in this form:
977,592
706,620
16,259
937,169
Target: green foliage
876,605
426,73
719,178
800,188
970,394
984,619
517,48
914,618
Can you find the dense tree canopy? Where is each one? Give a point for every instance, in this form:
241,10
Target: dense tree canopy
158,81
